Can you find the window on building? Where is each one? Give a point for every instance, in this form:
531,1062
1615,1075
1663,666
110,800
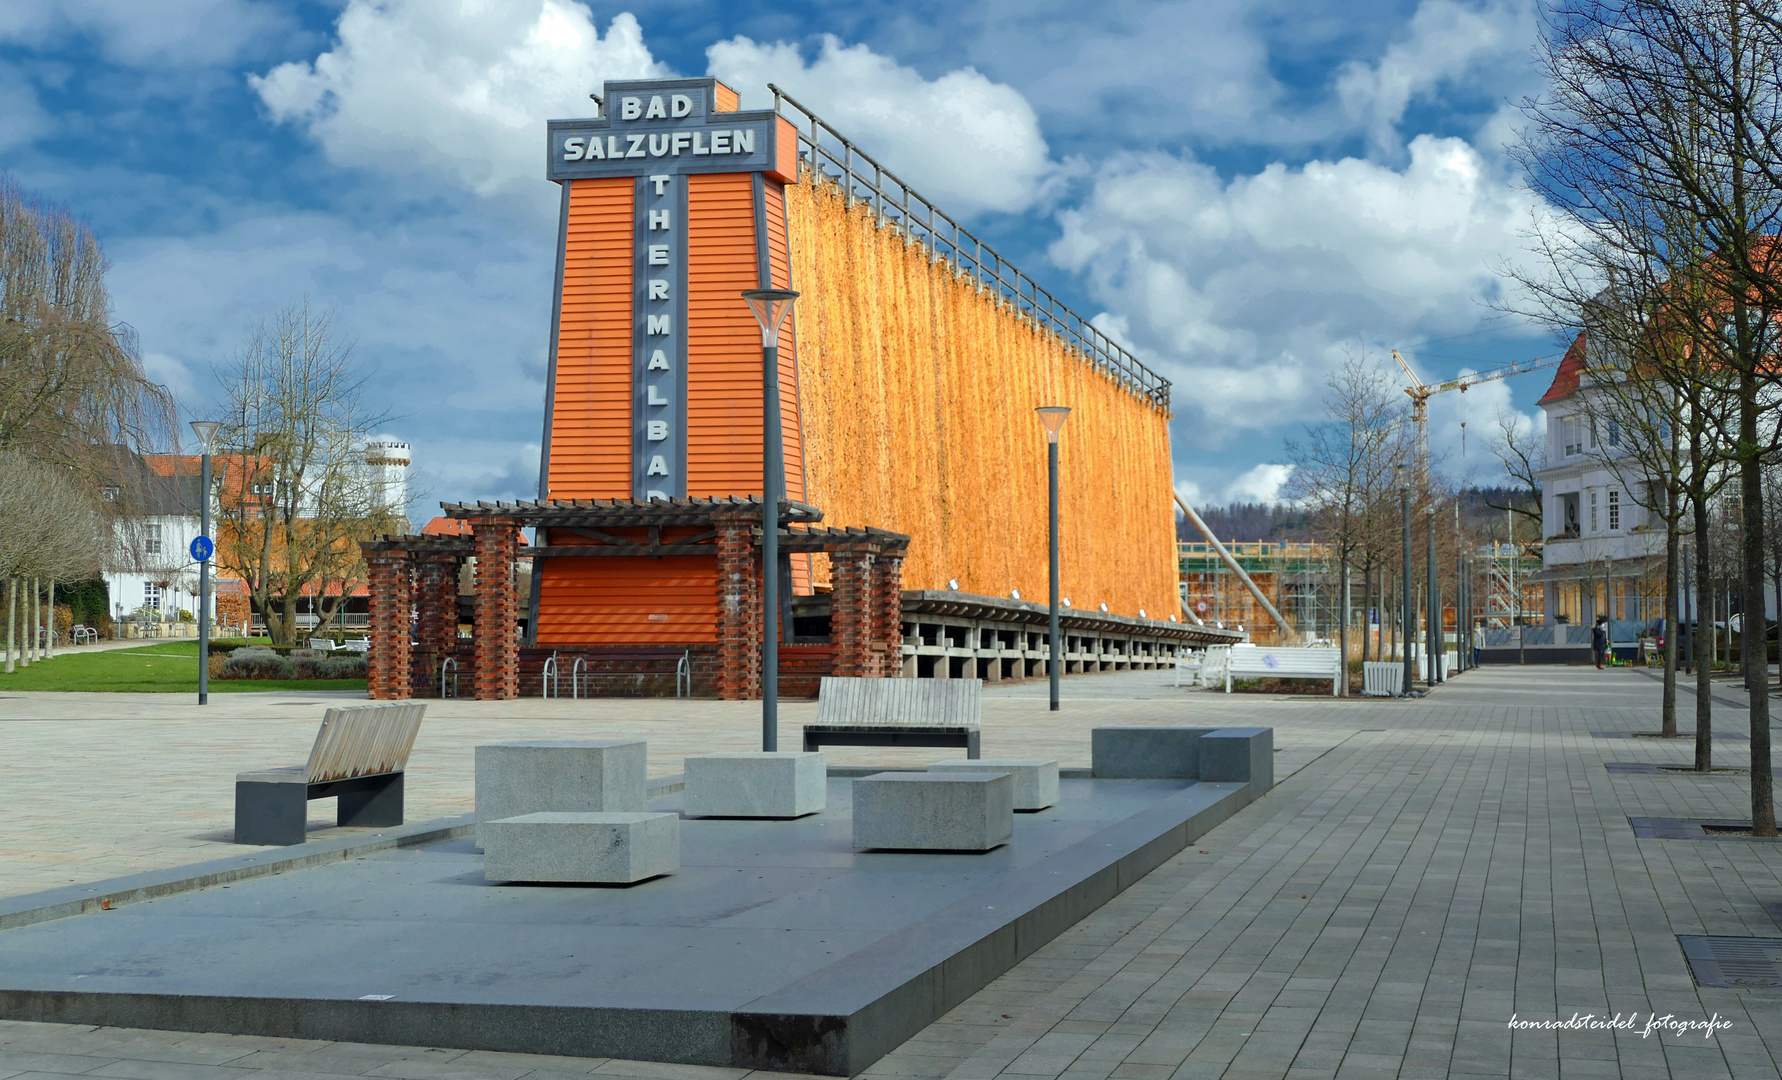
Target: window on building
151,595
151,538
1614,433
1571,436
1593,511
1614,511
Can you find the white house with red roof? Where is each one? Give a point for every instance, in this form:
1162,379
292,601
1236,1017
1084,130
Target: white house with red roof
1603,552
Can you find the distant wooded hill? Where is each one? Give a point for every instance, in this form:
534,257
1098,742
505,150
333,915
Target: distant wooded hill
1247,522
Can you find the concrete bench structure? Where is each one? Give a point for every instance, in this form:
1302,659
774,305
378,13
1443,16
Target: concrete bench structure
1256,662
1036,781
604,848
897,712
529,776
358,758
758,784
946,811
1231,755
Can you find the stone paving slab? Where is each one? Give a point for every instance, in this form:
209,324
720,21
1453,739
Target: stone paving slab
1459,859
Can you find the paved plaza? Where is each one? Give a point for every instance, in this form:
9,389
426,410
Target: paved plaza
1425,871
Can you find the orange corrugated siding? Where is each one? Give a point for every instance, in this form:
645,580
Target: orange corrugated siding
609,601
725,99
780,274
723,340
591,414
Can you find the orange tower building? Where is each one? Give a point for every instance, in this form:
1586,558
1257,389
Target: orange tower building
907,377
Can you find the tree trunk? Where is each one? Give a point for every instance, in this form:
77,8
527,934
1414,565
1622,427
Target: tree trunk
1704,660
1757,683
33,615
1343,636
12,622
49,624
1672,541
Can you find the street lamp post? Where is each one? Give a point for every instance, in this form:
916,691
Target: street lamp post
1433,636
1053,417
771,306
1410,617
1462,603
206,430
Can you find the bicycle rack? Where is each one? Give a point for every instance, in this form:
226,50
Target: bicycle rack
683,675
450,664
575,676
548,685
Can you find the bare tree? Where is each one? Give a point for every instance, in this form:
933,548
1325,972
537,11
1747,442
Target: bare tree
49,529
1657,145
294,491
1344,465
72,385
1522,451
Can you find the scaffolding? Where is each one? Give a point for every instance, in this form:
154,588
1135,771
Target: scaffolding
1511,598
1300,579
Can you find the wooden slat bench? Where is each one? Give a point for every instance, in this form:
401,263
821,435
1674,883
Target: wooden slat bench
897,712
358,757
1256,662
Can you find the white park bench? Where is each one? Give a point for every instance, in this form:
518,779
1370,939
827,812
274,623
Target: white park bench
323,643
1258,662
84,634
1204,667
897,712
358,757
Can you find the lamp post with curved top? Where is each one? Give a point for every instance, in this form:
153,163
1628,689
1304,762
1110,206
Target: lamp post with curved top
206,430
1408,621
770,307
1053,417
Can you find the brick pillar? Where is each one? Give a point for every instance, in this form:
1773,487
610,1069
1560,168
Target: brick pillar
887,613
739,608
850,612
436,612
497,610
391,599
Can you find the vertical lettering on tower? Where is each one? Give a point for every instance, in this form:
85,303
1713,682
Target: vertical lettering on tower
659,338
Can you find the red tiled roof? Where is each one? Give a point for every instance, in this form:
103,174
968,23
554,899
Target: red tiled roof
1571,369
441,526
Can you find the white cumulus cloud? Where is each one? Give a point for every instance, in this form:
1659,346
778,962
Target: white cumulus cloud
966,142
1245,292
459,90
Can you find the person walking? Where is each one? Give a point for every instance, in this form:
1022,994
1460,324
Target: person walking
1599,640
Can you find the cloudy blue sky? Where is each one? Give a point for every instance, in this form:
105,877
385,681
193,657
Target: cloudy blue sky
1239,189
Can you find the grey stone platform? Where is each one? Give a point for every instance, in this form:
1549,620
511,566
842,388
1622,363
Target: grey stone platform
776,945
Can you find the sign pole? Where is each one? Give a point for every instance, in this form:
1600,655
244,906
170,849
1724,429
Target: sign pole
204,580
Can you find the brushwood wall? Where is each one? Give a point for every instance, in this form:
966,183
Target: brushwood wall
917,390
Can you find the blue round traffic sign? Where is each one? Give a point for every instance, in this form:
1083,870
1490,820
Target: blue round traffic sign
202,548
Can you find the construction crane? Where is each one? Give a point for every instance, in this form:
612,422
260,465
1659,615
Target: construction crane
1420,392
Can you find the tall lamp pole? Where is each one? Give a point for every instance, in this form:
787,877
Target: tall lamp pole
1410,617
1433,636
1463,610
771,306
1053,417
202,549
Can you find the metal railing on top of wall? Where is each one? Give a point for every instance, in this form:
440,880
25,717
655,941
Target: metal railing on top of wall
895,203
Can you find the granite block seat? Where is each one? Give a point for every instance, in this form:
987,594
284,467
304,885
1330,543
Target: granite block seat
1036,781
897,712
528,776
358,759
595,848
924,811
758,784
1227,755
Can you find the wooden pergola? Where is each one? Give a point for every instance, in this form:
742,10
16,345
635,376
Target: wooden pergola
420,574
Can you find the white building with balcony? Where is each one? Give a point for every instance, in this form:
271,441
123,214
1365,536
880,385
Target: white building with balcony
1603,553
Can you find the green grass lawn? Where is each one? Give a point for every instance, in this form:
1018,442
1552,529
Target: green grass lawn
169,667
